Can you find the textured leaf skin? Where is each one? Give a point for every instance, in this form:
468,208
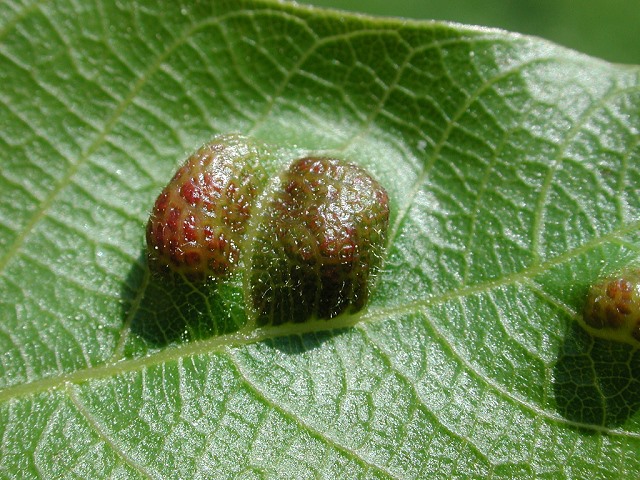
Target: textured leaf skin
320,242
512,167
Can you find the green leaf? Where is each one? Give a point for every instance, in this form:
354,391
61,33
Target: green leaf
598,27
512,167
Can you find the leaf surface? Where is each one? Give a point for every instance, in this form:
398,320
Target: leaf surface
512,167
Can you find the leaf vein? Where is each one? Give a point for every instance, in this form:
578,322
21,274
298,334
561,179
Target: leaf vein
314,432
101,432
543,197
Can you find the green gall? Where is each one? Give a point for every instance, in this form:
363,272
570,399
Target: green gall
309,240
612,308
320,243
199,219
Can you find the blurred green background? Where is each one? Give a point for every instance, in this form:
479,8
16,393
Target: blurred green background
609,29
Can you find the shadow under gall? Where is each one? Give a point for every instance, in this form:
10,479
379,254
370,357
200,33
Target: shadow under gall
168,308
596,381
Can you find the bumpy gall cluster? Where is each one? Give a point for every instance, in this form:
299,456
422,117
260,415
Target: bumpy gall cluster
313,246
320,242
198,220
613,307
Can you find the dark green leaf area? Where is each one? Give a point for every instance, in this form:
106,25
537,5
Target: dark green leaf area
176,309
597,381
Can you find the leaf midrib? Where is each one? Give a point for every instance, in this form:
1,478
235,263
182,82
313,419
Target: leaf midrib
222,343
